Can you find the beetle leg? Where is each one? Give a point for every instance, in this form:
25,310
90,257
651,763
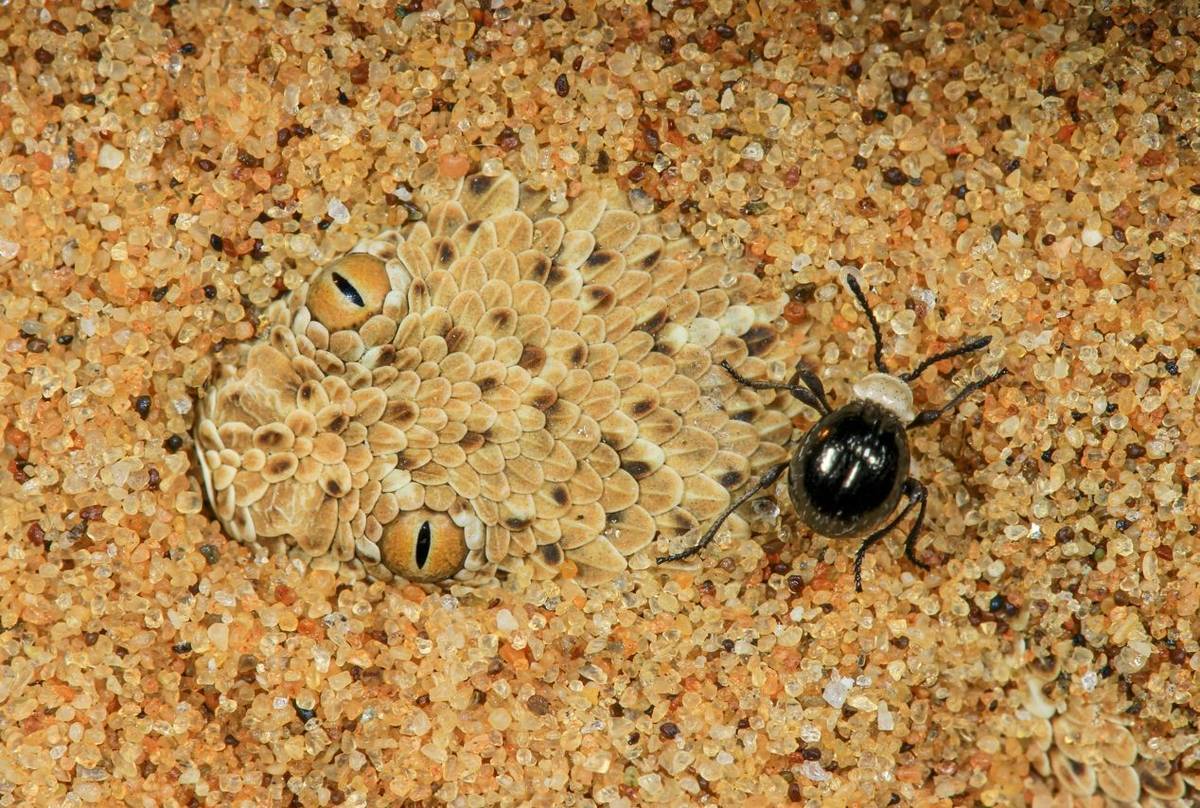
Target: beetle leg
915,492
806,394
926,417
764,481
805,374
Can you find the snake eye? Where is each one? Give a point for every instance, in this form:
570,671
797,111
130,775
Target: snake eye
348,292
423,546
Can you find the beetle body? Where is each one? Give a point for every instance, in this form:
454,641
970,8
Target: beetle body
848,472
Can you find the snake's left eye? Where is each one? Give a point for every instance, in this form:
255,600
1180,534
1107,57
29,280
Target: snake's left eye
423,546
348,292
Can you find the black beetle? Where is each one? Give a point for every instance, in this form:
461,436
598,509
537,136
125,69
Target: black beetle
851,467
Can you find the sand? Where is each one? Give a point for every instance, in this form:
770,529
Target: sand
1025,171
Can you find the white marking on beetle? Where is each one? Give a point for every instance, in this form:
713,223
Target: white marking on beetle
889,392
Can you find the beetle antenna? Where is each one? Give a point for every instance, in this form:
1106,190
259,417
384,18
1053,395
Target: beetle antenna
852,282
968,347
764,481
926,417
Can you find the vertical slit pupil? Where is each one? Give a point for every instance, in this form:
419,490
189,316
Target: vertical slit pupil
424,543
346,288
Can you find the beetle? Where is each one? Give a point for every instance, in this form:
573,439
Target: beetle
850,469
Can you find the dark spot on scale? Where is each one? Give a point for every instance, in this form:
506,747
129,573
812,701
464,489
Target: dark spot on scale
332,488
551,554
637,469
730,479
540,271
487,383
338,423
400,410
269,438
643,407
599,258
555,276
759,339
456,338
306,391
280,464
655,321
578,356
514,523
480,184
471,227
560,495
501,317
544,401
445,254
680,522
651,259
745,416
532,358
472,441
